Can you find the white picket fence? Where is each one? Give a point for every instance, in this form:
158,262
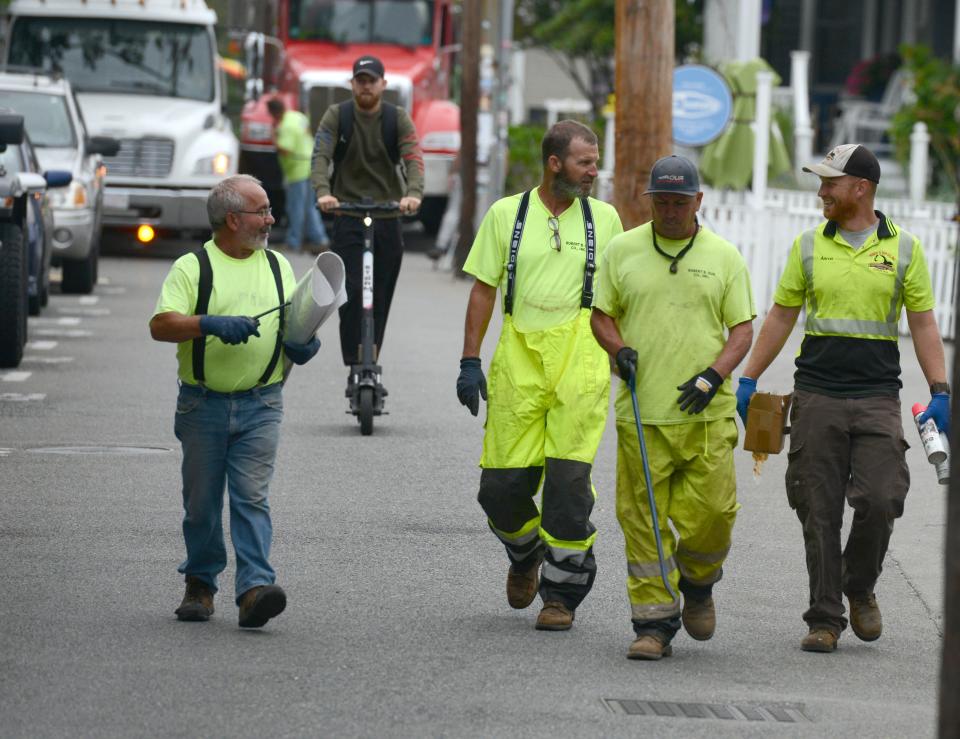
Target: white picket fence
764,237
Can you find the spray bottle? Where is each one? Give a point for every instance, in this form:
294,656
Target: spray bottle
935,444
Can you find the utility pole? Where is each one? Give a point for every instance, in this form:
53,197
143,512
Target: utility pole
472,15
644,90
950,666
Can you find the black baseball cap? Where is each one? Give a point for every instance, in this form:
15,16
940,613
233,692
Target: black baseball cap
852,159
368,65
674,174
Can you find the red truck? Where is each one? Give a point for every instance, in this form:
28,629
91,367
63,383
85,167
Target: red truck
308,62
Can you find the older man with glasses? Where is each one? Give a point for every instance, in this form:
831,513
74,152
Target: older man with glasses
229,405
549,379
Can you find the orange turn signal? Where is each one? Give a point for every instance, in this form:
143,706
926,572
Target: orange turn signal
145,234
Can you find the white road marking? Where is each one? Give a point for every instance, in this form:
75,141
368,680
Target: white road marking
62,321
41,346
88,300
68,310
21,397
47,360
72,333
17,376
4,452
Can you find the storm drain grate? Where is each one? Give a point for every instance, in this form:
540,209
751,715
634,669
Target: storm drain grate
784,713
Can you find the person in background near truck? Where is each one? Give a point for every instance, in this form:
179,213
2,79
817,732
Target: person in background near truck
367,160
856,272
230,403
549,379
295,151
675,309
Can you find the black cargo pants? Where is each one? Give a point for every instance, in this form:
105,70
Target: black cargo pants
347,240
853,450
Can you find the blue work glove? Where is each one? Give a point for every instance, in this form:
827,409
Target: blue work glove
745,390
301,353
697,392
229,329
626,360
939,411
471,384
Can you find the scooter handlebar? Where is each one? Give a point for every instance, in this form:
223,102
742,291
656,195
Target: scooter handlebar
364,208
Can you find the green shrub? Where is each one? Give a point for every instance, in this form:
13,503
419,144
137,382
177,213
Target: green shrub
524,169
936,87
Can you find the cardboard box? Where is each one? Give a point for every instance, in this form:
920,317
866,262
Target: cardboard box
766,422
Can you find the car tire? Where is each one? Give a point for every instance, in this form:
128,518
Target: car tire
80,275
13,295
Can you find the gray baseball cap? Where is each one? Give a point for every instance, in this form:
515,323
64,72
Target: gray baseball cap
674,174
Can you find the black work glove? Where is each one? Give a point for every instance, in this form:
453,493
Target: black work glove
627,364
471,384
229,329
697,392
301,353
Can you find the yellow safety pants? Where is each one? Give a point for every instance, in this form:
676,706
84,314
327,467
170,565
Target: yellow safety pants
694,485
547,400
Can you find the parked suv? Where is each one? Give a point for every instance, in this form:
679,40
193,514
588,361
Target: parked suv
56,128
26,221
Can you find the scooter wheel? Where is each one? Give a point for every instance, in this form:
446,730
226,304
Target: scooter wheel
365,410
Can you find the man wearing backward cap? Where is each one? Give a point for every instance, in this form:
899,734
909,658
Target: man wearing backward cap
856,272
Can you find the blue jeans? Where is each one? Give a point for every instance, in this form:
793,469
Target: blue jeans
302,206
228,439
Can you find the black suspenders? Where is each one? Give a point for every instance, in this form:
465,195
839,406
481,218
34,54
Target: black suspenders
586,295
204,290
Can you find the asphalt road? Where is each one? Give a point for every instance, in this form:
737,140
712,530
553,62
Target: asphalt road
397,623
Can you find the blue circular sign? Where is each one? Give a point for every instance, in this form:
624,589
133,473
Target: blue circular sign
702,105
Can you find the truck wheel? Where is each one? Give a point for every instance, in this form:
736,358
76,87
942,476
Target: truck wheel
13,295
431,213
80,275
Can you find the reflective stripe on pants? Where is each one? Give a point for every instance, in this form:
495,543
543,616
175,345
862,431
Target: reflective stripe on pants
691,467
548,394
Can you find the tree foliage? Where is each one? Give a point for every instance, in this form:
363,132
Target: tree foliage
936,88
580,36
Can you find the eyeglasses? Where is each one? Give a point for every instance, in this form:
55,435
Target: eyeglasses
554,225
264,213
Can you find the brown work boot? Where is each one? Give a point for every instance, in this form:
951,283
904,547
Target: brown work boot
649,647
554,617
197,603
258,605
865,619
522,584
819,640
699,617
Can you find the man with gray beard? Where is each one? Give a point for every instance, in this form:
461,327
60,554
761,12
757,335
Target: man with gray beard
549,379
230,405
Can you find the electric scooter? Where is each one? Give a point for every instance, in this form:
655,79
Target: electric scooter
366,392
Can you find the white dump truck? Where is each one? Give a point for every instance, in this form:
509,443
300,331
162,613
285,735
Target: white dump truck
146,73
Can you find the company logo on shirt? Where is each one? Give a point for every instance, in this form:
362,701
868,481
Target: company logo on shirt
882,261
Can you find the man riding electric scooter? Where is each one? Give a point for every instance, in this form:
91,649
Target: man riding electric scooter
367,142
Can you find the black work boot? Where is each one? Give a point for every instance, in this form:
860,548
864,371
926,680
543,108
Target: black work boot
197,603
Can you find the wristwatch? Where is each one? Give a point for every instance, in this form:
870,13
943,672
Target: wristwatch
940,387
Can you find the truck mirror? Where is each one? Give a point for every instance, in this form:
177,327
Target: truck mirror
11,129
105,145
